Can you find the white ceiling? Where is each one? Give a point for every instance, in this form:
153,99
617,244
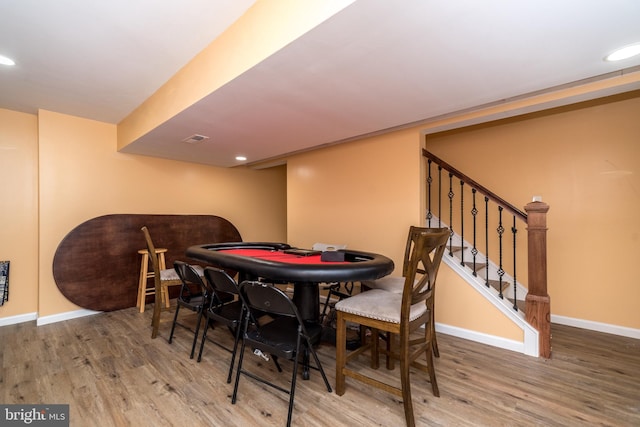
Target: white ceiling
375,65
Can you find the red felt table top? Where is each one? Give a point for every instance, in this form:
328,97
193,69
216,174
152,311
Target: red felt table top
279,256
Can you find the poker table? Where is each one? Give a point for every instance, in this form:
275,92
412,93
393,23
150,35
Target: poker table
281,263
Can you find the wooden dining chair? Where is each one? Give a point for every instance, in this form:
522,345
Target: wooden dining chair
399,315
157,306
396,284
162,279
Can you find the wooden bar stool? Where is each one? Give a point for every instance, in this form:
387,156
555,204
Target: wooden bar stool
145,274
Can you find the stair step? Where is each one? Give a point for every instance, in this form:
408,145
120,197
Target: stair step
455,248
495,284
520,304
478,266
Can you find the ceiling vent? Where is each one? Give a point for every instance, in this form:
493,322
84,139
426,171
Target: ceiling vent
195,138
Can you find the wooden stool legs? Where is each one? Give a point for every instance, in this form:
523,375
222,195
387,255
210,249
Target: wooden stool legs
143,291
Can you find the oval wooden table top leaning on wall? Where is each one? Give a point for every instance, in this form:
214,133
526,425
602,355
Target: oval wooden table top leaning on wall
96,265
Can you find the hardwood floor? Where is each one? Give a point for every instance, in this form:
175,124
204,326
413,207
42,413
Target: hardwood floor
111,373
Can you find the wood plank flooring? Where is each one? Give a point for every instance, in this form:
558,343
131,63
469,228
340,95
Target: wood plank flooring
113,374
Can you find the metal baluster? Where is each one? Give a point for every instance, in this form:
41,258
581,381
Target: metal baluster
451,194
462,222
429,181
500,233
439,196
474,213
486,240
514,230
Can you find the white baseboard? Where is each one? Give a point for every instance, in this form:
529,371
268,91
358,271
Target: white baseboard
596,326
480,337
519,347
45,320
21,318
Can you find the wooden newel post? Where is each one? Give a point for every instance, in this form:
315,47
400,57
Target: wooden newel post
538,303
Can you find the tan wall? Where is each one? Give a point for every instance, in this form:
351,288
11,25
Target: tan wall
461,306
585,163
82,177
366,194
19,213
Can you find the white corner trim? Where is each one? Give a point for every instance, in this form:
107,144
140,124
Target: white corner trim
45,320
483,338
596,326
21,318
531,341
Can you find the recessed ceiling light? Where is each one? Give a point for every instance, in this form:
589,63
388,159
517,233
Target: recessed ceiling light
241,158
6,61
624,53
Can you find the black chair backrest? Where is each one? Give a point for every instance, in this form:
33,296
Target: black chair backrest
220,281
264,297
189,277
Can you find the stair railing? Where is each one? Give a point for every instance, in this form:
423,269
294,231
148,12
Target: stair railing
494,210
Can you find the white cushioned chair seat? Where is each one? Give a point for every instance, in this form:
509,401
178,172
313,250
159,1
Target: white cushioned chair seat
387,283
170,273
380,305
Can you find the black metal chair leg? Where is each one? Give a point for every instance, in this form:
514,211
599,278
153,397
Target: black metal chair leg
195,335
233,354
175,320
204,338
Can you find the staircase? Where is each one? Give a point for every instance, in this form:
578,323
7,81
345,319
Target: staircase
486,248
502,292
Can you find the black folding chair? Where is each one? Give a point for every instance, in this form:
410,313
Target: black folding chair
193,296
286,336
223,309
